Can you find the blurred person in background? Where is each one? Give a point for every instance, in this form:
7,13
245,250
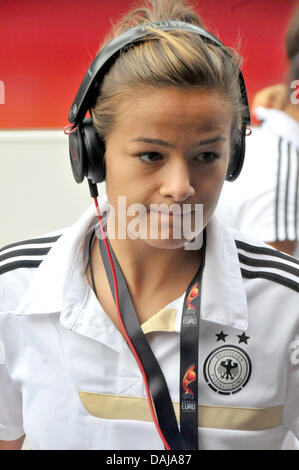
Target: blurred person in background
264,201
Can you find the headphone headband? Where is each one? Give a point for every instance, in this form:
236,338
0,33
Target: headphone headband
86,148
87,93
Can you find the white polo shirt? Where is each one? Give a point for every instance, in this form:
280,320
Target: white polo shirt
264,200
69,381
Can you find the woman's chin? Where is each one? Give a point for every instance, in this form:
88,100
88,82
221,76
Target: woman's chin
166,244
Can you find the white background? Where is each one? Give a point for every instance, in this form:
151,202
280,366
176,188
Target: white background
38,191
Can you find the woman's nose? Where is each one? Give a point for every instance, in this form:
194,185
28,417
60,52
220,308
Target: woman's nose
177,181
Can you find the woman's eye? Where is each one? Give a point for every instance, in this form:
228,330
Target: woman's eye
207,157
149,157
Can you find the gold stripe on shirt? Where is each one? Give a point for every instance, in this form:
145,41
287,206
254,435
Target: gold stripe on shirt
218,417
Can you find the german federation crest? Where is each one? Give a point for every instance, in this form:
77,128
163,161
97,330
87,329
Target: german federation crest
227,369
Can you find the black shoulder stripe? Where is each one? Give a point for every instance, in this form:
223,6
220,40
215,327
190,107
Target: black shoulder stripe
286,197
285,216
32,241
260,250
297,196
277,196
268,264
28,252
20,264
25,252
271,277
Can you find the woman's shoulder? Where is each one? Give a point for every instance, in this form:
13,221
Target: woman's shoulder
19,262
37,270
258,260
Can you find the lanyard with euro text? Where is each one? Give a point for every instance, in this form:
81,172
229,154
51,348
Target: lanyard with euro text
187,436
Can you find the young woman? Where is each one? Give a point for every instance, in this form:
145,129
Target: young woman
204,356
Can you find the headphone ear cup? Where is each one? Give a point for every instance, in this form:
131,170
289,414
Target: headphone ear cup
94,150
237,160
76,151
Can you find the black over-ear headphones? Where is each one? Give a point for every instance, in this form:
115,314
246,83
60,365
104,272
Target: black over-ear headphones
85,146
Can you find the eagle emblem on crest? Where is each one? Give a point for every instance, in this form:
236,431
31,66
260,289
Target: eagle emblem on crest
227,369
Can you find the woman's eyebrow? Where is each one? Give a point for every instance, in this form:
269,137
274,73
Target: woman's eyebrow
148,140
163,143
212,140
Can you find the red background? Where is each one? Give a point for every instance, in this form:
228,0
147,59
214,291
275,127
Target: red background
47,45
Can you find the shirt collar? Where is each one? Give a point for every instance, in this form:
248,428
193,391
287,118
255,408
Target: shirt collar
280,123
224,298
60,284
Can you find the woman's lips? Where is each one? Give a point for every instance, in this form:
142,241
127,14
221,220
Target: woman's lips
172,214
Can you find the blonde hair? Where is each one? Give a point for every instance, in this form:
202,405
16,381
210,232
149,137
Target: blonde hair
163,59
